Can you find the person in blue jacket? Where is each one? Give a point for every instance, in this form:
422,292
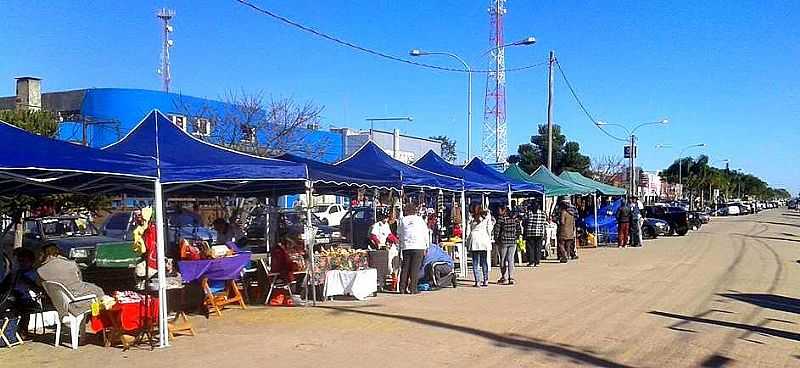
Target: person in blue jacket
437,267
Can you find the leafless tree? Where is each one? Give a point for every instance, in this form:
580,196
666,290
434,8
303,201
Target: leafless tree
247,123
607,168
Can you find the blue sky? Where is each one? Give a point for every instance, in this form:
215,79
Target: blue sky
724,74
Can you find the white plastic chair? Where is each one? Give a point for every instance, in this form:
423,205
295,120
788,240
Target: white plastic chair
62,299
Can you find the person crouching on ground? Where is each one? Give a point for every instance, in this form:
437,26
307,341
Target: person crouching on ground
479,244
506,231
412,230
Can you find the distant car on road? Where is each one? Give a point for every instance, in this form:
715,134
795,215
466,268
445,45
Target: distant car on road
653,228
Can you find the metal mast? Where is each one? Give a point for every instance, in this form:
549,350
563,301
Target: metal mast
165,70
494,143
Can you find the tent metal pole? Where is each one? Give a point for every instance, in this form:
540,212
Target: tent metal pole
462,250
509,196
163,332
596,233
310,238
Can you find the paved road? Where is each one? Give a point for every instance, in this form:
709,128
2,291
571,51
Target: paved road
722,296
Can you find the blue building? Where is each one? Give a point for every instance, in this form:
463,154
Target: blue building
100,116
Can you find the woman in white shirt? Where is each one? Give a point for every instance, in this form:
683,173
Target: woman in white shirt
412,230
479,243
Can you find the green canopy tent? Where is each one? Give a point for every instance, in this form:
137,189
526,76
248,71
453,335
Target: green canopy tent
603,188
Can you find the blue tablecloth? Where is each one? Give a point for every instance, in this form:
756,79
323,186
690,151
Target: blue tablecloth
226,268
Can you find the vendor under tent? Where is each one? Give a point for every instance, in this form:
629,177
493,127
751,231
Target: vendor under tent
602,188
189,166
331,179
372,158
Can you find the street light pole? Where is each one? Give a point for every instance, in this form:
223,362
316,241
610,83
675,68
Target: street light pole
632,136
680,164
417,52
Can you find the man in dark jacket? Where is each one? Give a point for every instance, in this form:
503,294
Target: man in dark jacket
623,223
566,231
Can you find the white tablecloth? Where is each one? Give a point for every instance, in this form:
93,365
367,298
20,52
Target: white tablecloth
359,284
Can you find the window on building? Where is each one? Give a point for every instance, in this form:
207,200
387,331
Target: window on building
178,120
248,134
202,127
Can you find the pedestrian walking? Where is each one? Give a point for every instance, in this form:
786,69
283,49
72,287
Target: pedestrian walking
506,231
479,244
635,228
534,231
623,216
412,230
567,217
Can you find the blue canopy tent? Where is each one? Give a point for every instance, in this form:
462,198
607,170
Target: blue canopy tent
35,165
329,179
473,181
188,165
515,185
372,158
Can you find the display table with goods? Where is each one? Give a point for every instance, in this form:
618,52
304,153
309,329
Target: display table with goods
345,272
130,320
224,272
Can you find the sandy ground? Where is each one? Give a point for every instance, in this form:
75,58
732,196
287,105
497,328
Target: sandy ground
722,296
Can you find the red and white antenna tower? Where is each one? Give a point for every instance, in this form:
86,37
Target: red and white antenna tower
494,142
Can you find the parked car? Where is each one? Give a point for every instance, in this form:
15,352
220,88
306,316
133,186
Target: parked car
676,217
695,223
653,228
330,214
703,216
292,221
355,226
120,226
77,238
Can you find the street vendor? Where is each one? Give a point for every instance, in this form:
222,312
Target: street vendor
227,231
380,231
144,243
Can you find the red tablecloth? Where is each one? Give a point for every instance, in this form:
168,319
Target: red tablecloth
129,316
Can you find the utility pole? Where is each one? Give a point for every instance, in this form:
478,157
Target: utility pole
165,70
550,92
633,165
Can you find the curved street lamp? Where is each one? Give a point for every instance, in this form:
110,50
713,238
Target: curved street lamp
680,160
417,53
632,136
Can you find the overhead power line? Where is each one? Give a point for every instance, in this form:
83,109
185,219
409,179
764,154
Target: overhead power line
582,106
367,50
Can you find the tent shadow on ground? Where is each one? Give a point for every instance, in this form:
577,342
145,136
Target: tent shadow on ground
791,214
767,237
735,325
771,301
512,340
